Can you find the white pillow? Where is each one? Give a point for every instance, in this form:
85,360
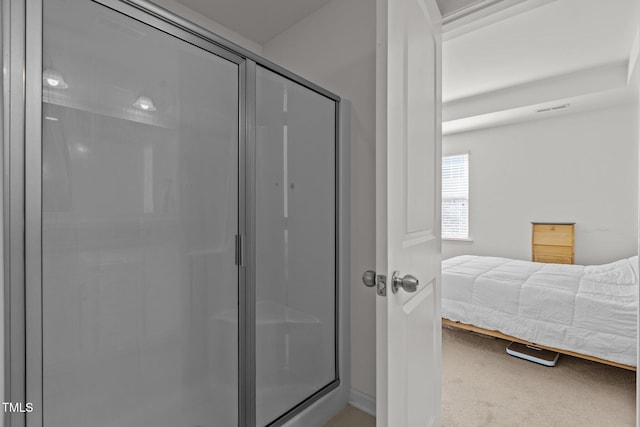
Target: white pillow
622,272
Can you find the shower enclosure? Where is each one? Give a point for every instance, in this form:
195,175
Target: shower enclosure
174,225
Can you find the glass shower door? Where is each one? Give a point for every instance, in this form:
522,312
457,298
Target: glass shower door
140,212
295,245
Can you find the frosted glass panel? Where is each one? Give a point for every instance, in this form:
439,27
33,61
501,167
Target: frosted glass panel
140,184
295,244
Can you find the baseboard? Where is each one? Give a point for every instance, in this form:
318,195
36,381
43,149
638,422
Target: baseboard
362,401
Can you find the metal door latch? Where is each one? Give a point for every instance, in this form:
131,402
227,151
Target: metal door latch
371,279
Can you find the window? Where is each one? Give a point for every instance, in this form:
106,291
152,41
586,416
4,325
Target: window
455,196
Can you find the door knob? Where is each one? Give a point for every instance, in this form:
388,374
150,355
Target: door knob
369,278
409,283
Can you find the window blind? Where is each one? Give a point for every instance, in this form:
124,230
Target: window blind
455,197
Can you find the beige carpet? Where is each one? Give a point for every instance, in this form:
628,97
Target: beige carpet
351,417
484,386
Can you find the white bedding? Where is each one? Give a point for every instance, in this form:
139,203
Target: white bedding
585,309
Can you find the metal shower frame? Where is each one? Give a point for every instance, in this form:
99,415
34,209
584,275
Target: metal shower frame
21,111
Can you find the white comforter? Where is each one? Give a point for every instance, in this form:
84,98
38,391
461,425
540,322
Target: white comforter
585,309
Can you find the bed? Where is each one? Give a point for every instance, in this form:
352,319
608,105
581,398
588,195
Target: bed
585,311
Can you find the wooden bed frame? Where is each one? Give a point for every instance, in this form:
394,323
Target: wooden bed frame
496,334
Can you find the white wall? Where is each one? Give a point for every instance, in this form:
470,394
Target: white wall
335,48
208,24
580,168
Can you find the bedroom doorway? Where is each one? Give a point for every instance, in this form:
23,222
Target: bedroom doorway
531,120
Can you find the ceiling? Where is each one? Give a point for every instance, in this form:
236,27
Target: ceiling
260,20
559,37
499,46
548,53
257,20
448,7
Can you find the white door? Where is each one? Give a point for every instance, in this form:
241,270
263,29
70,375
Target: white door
408,165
